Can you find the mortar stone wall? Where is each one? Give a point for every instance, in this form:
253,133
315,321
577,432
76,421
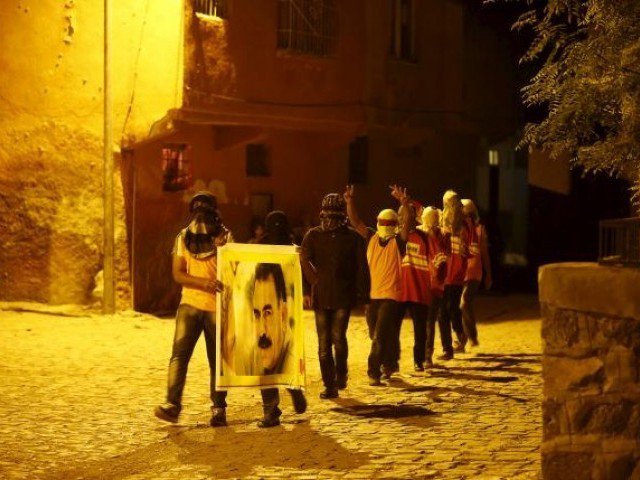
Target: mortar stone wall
591,372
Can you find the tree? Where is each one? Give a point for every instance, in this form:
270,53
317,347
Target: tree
587,57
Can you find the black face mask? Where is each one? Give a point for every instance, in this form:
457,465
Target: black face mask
201,233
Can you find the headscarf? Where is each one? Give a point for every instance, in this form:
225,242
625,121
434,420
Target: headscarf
452,216
469,209
387,224
333,212
430,218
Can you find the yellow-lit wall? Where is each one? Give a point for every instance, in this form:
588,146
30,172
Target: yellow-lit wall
51,116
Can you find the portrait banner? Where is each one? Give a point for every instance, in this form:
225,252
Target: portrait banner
259,324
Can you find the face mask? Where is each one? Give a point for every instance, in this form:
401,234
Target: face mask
332,221
205,226
387,228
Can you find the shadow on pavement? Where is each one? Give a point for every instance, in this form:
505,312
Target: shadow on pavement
227,453
412,414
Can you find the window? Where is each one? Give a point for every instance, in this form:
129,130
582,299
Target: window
211,8
257,161
307,26
358,159
403,29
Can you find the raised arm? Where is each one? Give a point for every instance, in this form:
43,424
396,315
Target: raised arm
402,196
352,213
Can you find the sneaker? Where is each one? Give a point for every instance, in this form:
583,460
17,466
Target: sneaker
329,393
299,402
374,382
218,417
167,412
446,356
458,347
341,383
269,422
428,363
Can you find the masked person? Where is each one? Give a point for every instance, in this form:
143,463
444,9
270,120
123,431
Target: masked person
194,267
477,262
334,263
437,261
277,233
415,276
384,256
457,243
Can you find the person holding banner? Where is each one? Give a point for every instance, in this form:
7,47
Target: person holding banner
194,267
334,262
273,296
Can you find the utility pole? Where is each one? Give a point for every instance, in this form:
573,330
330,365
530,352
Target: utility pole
108,299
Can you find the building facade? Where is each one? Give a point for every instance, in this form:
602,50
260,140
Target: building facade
273,103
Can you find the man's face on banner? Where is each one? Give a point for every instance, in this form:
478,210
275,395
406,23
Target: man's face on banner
270,314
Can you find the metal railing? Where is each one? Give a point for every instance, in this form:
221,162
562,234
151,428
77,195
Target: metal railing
620,242
307,26
211,8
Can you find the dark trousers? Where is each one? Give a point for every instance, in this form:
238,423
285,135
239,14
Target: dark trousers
452,317
190,323
435,314
382,317
468,315
419,314
331,325
271,400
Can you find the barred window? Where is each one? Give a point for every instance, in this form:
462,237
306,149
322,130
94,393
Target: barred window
307,26
211,8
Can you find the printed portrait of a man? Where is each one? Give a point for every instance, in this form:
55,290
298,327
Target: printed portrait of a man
260,319
270,319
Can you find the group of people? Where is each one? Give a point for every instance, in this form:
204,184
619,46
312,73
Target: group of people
424,261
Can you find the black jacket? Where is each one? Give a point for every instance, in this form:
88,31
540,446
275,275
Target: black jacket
335,264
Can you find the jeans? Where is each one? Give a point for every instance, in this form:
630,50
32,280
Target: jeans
271,400
452,317
190,323
468,315
331,325
435,315
419,314
382,318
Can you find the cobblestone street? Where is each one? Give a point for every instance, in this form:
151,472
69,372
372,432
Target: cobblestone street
78,394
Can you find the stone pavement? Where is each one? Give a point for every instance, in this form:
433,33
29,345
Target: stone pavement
78,395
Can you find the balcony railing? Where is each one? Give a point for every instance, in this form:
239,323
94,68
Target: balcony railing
620,242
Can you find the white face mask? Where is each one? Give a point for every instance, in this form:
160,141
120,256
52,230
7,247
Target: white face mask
387,231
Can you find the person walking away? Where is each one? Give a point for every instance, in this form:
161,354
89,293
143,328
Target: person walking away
334,263
194,267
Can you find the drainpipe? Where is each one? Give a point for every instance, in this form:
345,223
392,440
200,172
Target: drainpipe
108,299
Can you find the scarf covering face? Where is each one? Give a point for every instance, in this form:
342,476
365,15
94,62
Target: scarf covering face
333,212
430,218
277,227
387,224
205,225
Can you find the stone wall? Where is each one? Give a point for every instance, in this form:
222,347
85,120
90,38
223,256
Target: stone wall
591,371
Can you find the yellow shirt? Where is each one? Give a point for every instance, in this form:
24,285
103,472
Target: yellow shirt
384,265
201,268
